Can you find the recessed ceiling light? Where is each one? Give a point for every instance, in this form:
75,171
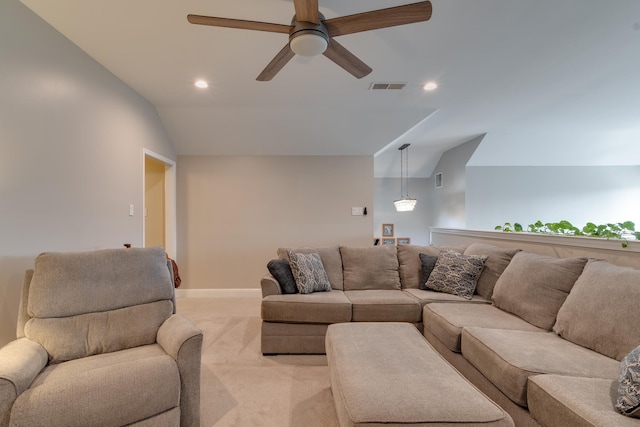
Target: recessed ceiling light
430,86
201,84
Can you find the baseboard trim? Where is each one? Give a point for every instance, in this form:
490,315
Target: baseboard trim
218,293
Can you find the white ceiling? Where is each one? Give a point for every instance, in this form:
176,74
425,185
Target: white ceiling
501,65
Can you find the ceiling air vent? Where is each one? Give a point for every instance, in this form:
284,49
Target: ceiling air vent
387,86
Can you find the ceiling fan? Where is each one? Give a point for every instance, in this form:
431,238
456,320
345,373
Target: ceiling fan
310,34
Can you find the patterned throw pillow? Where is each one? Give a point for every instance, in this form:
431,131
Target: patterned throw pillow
309,273
628,402
281,271
428,263
456,274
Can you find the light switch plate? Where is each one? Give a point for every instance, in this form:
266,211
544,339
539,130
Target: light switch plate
357,211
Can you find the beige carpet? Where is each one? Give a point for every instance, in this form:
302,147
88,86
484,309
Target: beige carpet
240,387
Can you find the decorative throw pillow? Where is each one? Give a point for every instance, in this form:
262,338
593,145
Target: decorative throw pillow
428,263
456,274
309,273
281,271
628,402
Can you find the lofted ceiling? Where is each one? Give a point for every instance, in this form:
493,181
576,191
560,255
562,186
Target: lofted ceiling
501,66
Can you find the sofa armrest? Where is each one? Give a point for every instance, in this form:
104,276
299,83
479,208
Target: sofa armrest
270,286
20,362
182,340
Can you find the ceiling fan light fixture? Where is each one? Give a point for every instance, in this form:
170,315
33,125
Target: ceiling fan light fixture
308,43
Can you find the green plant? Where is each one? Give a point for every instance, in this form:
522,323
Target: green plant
620,230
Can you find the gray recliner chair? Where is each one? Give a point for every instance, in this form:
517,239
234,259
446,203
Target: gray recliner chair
99,344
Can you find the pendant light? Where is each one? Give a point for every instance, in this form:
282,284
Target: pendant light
405,203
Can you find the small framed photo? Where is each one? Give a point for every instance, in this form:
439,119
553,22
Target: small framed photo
404,240
387,230
387,241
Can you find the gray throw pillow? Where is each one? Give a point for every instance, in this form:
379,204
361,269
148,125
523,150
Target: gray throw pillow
428,263
309,273
628,402
456,274
281,271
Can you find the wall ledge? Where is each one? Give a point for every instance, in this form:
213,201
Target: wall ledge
548,239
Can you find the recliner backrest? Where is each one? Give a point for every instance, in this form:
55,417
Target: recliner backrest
86,303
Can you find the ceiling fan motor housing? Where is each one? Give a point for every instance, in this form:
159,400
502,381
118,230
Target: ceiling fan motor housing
307,38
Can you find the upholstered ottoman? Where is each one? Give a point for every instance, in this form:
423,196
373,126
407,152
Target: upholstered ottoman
388,374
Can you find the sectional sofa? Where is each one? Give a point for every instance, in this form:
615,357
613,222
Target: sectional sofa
542,336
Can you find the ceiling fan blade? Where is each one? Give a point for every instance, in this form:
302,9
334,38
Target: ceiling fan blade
276,64
306,10
238,23
382,18
345,59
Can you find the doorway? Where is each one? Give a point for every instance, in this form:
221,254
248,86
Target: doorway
159,214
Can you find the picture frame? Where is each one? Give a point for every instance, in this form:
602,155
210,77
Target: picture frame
387,230
403,240
388,241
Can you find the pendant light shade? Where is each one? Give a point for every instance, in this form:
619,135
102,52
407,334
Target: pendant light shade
405,203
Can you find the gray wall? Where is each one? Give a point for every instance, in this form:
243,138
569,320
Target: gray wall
447,206
414,225
71,141
436,207
579,194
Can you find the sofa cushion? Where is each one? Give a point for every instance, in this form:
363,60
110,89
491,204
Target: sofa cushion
309,273
428,264
535,286
456,274
446,321
380,305
426,297
613,293
331,260
410,265
281,271
628,402
497,261
319,307
124,379
559,400
73,337
508,357
374,267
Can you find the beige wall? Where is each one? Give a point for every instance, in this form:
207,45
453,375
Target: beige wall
234,212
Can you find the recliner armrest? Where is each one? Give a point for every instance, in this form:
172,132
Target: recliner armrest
270,286
20,362
182,340
174,332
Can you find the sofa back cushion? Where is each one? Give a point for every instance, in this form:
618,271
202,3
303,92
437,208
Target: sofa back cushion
497,261
410,265
601,312
534,287
374,267
86,303
331,261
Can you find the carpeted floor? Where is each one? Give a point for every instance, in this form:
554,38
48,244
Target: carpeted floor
240,387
